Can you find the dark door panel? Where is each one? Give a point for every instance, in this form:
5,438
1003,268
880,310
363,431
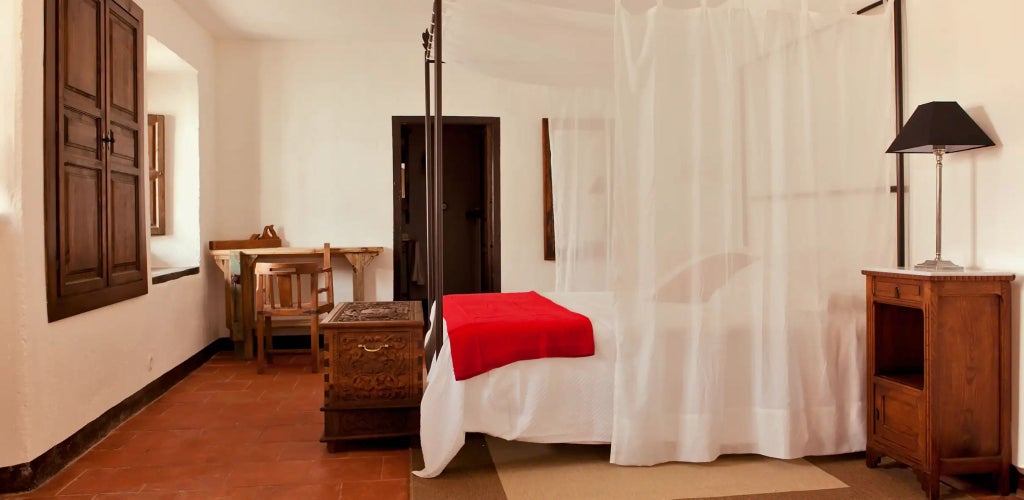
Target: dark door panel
470,207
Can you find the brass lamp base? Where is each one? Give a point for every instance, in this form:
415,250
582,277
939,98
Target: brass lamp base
938,265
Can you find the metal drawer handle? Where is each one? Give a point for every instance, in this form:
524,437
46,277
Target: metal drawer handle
367,349
897,292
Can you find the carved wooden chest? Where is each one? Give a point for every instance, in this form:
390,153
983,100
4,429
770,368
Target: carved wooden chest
373,371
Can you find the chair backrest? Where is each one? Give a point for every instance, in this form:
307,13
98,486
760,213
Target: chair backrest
279,287
295,288
328,274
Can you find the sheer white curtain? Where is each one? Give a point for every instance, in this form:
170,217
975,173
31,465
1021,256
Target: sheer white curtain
750,186
564,50
718,168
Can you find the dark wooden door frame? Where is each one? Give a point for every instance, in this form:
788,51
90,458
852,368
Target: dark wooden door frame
492,191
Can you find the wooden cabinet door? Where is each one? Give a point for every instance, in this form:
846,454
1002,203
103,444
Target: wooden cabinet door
81,175
127,255
899,419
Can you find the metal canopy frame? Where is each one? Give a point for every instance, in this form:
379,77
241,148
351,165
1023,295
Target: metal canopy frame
900,188
433,121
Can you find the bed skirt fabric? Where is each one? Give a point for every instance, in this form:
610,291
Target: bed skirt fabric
551,400
570,400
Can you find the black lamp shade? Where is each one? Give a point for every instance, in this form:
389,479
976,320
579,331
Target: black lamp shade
939,124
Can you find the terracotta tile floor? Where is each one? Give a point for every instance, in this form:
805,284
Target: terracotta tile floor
226,432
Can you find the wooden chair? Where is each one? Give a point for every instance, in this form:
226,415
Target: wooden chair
293,290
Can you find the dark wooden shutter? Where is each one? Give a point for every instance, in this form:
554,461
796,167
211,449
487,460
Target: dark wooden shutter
81,165
96,254
125,207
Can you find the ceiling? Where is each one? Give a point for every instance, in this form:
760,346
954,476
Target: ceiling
333,20
378,20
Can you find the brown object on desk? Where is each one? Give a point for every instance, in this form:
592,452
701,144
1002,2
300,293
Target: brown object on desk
269,239
240,315
279,293
938,373
373,378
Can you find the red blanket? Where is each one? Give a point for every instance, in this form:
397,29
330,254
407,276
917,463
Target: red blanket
491,330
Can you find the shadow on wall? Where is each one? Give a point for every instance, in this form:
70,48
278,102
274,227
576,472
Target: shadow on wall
985,122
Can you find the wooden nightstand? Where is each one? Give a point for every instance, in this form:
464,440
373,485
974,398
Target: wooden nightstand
938,373
373,371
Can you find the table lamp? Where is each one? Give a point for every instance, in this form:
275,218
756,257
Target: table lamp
939,127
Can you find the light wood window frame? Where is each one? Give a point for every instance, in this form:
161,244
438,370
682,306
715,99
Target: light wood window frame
157,161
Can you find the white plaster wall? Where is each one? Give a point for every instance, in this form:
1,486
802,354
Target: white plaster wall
310,132
237,202
13,439
69,372
175,94
970,52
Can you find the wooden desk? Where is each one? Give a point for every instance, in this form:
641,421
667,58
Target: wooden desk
239,309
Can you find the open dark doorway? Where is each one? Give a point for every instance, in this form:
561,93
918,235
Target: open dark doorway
472,235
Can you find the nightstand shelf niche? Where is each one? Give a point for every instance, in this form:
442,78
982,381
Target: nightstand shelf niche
938,373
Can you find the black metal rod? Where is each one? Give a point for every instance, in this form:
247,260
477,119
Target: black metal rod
901,217
429,173
438,186
900,188
879,3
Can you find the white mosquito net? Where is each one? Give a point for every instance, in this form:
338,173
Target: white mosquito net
719,168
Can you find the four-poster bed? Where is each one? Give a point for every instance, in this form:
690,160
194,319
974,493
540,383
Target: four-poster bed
434,117
569,396
709,347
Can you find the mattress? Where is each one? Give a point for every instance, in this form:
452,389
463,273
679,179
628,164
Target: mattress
551,400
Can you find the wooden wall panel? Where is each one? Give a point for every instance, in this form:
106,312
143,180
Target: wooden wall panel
125,254
968,343
123,72
83,47
82,235
83,132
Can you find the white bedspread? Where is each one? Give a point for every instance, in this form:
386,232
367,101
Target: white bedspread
551,400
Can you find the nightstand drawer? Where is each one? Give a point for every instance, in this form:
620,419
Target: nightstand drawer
372,367
898,289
